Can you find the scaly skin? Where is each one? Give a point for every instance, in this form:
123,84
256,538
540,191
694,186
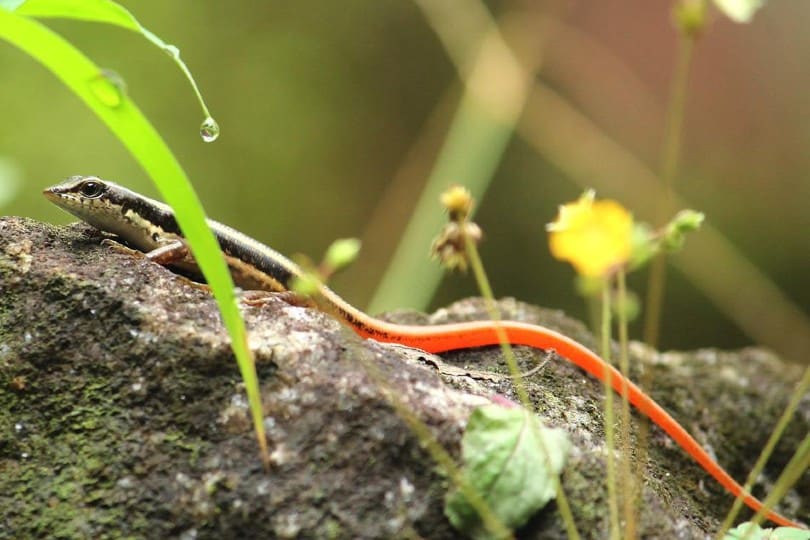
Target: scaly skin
150,226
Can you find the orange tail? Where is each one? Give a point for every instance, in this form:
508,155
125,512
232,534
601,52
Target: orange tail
436,339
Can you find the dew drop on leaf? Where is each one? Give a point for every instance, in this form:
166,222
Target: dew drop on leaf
209,130
108,87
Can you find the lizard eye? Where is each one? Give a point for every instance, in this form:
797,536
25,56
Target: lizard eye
91,189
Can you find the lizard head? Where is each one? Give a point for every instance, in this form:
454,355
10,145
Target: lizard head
112,208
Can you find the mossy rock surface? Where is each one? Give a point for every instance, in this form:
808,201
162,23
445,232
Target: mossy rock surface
122,414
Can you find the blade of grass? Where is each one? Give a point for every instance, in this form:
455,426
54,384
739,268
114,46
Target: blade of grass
794,470
795,398
313,286
484,286
437,452
135,132
478,136
107,12
471,153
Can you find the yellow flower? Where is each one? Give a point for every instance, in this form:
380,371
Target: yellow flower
594,236
458,202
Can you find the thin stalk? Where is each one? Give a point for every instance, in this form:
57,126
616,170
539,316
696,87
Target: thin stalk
565,511
593,313
613,502
795,398
656,283
628,487
523,395
494,314
795,468
669,168
439,454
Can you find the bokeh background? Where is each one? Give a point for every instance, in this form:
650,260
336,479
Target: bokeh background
333,114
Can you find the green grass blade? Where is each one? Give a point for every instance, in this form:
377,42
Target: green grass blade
10,5
476,141
103,11
107,12
471,153
135,132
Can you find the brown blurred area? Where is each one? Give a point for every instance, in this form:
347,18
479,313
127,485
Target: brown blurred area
321,105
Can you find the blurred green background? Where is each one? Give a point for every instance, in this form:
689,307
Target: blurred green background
332,114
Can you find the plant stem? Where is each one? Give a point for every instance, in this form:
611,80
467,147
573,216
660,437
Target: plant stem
669,167
795,398
613,502
658,269
437,452
495,315
797,465
593,305
628,487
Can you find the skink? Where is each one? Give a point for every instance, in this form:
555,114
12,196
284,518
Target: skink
150,226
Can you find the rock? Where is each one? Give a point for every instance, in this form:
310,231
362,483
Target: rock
122,413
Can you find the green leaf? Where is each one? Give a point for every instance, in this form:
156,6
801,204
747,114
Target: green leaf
109,12
739,11
790,533
10,5
103,11
645,246
135,132
685,221
504,450
752,531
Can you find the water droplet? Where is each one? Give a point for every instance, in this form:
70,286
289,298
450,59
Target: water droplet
209,130
109,87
